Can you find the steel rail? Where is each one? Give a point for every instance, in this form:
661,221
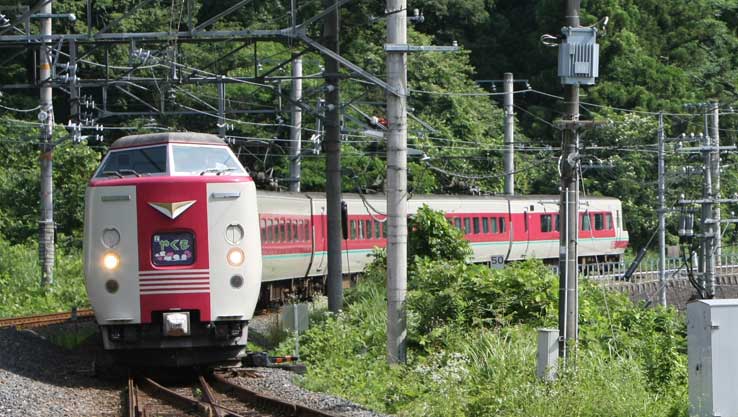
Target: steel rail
39,320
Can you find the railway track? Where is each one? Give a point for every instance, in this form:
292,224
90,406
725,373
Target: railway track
211,395
27,322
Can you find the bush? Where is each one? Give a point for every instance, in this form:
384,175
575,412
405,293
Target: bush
452,292
20,287
472,343
432,236
470,370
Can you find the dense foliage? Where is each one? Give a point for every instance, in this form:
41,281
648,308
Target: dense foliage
472,346
655,55
21,292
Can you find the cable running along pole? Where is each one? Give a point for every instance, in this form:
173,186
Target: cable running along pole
396,183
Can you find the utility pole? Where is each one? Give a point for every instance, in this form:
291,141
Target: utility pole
296,123
296,128
662,214
708,227
333,161
509,161
716,180
396,183
221,108
46,117
569,209
73,85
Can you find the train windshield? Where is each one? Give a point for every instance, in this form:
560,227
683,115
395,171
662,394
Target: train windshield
136,162
204,160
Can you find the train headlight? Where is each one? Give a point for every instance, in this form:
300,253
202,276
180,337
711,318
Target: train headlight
111,261
235,257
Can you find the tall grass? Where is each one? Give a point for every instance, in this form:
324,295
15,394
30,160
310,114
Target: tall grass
21,292
478,370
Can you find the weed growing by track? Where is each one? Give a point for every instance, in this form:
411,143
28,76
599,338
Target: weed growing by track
20,288
472,344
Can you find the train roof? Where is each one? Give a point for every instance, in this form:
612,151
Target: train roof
382,196
167,137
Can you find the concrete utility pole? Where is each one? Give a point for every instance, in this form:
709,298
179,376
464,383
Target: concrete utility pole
569,209
396,183
708,227
46,117
716,180
221,108
296,128
509,161
333,161
662,215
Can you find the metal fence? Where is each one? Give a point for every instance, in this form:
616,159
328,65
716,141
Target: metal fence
648,270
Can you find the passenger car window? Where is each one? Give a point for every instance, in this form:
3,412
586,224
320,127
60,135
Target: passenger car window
599,221
586,222
546,225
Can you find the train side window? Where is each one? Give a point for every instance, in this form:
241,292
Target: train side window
475,223
558,223
361,229
599,221
368,229
307,230
268,230
384,230
377,232
295,230
467,225
608,218
502,225
280,230
262,228
546,225
485,225
617,217
457,222
586,222
493,223
353,229
290,223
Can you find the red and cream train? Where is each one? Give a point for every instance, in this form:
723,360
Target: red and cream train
179,246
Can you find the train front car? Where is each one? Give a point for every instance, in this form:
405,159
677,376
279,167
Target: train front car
172,249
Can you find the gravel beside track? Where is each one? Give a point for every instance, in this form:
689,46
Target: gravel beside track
40,379
279,383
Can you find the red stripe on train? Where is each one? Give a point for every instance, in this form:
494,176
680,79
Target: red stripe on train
151,221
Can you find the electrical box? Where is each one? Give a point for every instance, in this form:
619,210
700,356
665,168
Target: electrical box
548,354
712,354
579,56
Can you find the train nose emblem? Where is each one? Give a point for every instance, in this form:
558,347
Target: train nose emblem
174,209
